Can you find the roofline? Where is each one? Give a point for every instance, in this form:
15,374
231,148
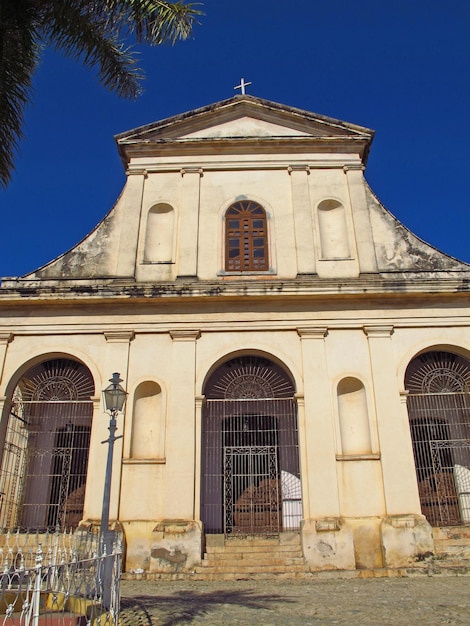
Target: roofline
269,104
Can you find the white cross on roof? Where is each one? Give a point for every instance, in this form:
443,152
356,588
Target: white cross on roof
242,86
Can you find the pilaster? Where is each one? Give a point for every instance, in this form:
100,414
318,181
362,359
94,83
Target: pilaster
130,223
5,340
189,222
303,225
116,360
181,431
361,218
319,449
396,453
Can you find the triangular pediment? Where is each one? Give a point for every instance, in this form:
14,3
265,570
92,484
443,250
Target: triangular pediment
246,127
244,116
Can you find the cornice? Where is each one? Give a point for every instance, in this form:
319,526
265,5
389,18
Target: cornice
16,290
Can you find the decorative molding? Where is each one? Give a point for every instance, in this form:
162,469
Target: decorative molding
327,524
300,399
144,461
313,332
353,166
402,521
185,335
192,170
378,331
404,396
6,338
137,172
298,168
358,457
119,336
96,402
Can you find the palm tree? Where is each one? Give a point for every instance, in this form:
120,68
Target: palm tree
95,32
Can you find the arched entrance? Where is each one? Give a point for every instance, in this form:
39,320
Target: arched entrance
250,457
45,450
439,413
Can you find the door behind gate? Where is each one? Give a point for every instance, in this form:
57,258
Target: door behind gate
252,494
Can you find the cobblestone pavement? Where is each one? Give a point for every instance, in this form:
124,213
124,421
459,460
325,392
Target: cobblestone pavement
426,601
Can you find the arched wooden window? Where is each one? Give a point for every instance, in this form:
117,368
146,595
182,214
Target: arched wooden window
45,451
439,414
246,240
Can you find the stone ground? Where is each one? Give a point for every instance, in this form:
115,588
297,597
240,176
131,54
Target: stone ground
426,601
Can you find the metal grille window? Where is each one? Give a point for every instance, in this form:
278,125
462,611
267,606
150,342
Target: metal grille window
250,460
246,245
439,414
45,452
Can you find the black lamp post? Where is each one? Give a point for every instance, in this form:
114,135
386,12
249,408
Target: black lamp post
114,397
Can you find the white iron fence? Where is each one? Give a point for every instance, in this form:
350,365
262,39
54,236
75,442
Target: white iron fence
58,578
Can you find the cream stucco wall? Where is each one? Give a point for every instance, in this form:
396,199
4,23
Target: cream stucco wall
349,299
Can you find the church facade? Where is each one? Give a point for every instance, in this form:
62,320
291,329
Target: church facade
296,360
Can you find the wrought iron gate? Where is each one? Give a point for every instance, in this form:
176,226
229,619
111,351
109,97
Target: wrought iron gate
45,451
439,414
252,495
250,467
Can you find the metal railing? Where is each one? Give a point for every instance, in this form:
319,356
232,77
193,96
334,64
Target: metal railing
58,578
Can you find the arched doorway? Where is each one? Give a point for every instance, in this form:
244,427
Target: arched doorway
45,451
250,456
439,412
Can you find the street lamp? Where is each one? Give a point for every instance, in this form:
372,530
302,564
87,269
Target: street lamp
114,398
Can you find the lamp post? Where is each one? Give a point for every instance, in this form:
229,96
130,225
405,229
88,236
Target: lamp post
114,398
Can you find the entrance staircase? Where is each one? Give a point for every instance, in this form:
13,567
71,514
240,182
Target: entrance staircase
452,547
251,558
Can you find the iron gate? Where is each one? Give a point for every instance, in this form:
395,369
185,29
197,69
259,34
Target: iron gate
45,450
252,495
250,467
440,430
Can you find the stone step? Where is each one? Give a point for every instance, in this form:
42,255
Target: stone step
451,533
452,546
236,568
237,549
267,561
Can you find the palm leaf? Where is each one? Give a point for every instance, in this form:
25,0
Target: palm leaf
19,57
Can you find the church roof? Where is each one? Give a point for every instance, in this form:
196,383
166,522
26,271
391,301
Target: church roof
246,120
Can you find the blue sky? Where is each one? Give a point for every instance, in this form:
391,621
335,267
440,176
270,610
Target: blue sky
399,67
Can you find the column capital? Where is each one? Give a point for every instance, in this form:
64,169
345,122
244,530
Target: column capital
185,335
192,170
6,338
119,336
298,168
379,331
137,172
353,167
313,332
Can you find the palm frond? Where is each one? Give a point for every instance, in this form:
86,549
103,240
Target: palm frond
19,57
94,32
86,35
156,21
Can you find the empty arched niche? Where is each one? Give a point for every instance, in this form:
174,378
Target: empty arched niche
334,240
148,422
353,417
159,234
